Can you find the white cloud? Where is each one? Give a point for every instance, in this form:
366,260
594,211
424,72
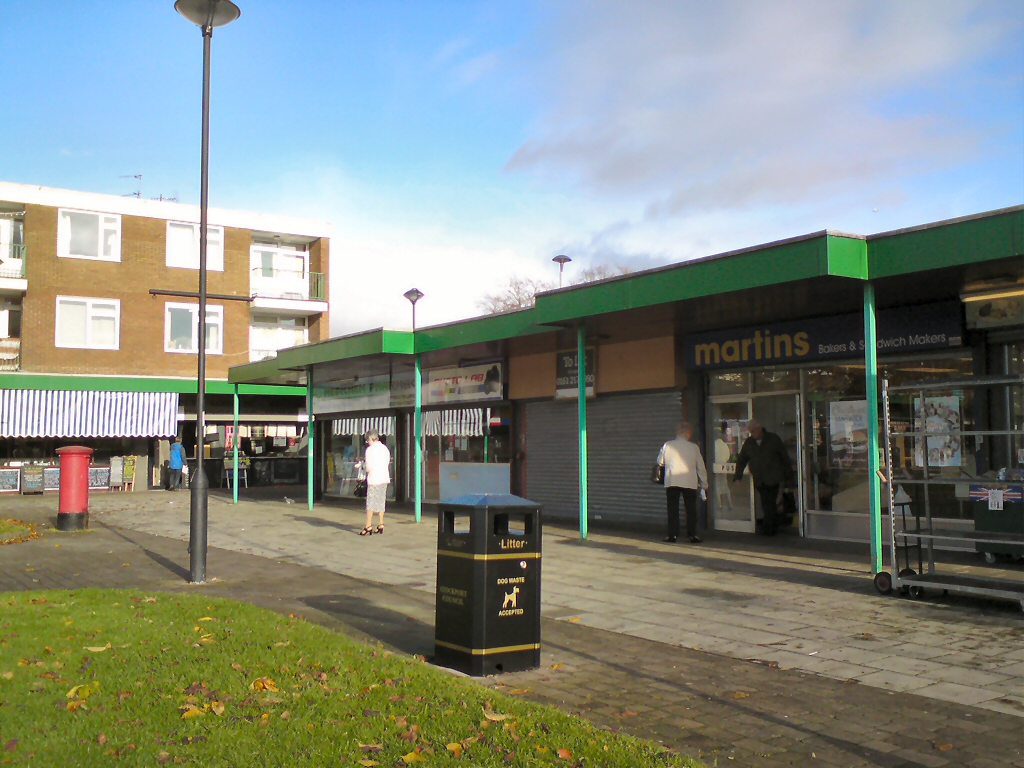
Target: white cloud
696,107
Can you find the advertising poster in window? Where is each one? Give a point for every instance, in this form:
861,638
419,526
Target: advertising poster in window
848,434
363,394
567,374
729,437
941,415
463,385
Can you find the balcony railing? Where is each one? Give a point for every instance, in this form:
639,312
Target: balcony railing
288,284
10,354
14,264
255,355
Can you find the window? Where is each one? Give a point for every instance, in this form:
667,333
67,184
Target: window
87,323
181,328
278,262
183,246
87,235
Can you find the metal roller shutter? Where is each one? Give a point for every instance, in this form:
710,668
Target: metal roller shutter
624,435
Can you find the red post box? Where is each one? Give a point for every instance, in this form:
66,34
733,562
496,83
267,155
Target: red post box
73,510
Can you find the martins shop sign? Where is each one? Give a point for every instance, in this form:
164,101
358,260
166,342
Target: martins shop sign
902,329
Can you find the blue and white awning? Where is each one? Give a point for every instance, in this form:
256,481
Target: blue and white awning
87,413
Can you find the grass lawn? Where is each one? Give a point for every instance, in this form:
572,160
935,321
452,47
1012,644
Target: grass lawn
111,677
13,531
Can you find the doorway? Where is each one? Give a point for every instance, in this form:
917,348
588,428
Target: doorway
734,505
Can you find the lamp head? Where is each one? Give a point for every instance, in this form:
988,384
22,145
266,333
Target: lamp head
413,295
561,260
208,13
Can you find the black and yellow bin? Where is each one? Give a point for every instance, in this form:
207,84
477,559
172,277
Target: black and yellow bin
487,619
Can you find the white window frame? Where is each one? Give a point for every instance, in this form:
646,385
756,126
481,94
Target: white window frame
64,235
216,310
89,312
214,257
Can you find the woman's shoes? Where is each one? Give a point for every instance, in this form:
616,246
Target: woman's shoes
380,528
367,531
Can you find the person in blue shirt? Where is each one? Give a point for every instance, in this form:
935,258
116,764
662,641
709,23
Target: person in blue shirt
177,461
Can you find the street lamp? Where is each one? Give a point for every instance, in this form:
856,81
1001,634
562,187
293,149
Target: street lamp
414,295
561,261
206,14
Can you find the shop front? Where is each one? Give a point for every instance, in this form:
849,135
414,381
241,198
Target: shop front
818,408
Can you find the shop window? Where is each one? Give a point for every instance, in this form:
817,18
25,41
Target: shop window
183,246
777,381
737,383
88,235
83,323
181,328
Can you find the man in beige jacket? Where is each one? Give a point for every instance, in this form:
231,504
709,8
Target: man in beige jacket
684,474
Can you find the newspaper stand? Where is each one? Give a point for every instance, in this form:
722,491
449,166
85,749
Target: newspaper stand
997,493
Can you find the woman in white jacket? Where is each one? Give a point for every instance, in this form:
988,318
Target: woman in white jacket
684,474
377,463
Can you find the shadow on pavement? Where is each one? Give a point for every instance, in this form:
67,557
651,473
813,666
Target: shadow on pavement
389,626
319,522
178,570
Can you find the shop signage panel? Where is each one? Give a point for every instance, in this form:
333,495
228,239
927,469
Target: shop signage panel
363,394
467,384
995,313
10,479
32,479
901,329
567,384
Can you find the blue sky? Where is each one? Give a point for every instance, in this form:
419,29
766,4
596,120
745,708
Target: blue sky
455,144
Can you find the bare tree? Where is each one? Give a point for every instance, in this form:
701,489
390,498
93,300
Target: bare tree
521,292
518,294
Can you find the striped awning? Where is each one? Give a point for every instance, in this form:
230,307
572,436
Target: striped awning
384,425
463,422
50,413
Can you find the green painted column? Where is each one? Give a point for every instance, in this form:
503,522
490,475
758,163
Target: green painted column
234,454
310,437
581,376
871,393
417,420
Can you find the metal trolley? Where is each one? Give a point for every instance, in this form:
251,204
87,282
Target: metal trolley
934,430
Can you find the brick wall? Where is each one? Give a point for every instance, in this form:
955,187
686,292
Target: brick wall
319,261
142,266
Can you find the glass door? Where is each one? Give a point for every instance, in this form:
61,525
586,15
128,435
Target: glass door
732,504
780,414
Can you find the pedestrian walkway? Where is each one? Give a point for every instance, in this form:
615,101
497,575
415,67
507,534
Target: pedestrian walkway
696,701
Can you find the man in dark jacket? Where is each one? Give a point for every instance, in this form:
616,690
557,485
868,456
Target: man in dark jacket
769,463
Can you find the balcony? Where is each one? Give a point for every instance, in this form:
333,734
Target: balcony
13,280
10,354
289,290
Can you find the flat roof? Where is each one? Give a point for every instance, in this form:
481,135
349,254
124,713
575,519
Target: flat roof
162,209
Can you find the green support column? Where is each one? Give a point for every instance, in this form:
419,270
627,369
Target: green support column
310,436
234,454
871,393
417,419
581,375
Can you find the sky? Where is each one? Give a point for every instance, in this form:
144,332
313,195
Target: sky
454,144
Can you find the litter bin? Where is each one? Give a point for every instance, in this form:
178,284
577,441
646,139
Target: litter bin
73,508
487,616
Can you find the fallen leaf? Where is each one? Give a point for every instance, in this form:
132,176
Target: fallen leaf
263,684
493,716
101,739
368,763
455,748
217,708
11,745
565,754
8,675
163,758
413,757
519,691
574,620
541,749
236,666
371,748
206,618
191,710
98,649
944,747
557,666
281,645
286,714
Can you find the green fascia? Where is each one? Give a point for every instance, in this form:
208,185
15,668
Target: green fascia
986,237
58,382
260,370
375,342
847,256
479,330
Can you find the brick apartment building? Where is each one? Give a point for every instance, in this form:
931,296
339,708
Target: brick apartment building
98,323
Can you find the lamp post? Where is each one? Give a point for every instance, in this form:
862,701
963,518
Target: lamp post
561,261
414,295
206,14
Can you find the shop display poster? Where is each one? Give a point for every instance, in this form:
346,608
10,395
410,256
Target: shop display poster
848,434
942,415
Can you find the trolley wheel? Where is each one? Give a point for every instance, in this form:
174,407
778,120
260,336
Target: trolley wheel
906,573
916,592
990,558
883,582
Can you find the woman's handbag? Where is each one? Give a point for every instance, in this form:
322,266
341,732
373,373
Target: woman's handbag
658,474
360,491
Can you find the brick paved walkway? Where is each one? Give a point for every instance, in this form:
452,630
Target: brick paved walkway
738,712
